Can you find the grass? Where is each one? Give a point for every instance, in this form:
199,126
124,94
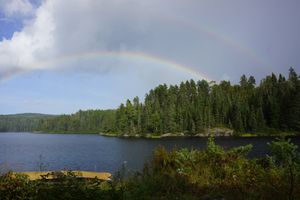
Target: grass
153,136
248,135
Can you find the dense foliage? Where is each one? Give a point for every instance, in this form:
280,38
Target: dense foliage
195,107
180,174
21,122
91,121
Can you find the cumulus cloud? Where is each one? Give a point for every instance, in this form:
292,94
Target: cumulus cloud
21,51
15,8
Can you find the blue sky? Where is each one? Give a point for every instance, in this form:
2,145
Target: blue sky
45,48
11,23
8,27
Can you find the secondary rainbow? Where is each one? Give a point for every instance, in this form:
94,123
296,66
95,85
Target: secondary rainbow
219,36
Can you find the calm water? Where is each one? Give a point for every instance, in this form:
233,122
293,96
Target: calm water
30,151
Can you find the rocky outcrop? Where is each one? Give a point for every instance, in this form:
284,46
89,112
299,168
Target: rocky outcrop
216,132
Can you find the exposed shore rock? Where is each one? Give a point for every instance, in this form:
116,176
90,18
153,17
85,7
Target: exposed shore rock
173,135
216,132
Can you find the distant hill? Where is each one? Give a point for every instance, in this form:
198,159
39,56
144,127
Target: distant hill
28,115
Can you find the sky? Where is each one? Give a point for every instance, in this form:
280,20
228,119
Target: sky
61,56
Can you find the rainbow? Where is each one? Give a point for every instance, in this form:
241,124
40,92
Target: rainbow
133,56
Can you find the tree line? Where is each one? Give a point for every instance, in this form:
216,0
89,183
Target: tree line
194,107
22,122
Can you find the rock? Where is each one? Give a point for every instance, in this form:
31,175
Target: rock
216,132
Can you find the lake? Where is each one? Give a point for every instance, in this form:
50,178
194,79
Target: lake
32,151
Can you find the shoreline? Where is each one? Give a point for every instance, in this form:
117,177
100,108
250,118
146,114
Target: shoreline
196,136
167,135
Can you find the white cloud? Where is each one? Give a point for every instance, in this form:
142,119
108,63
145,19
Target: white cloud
13,8
23,49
